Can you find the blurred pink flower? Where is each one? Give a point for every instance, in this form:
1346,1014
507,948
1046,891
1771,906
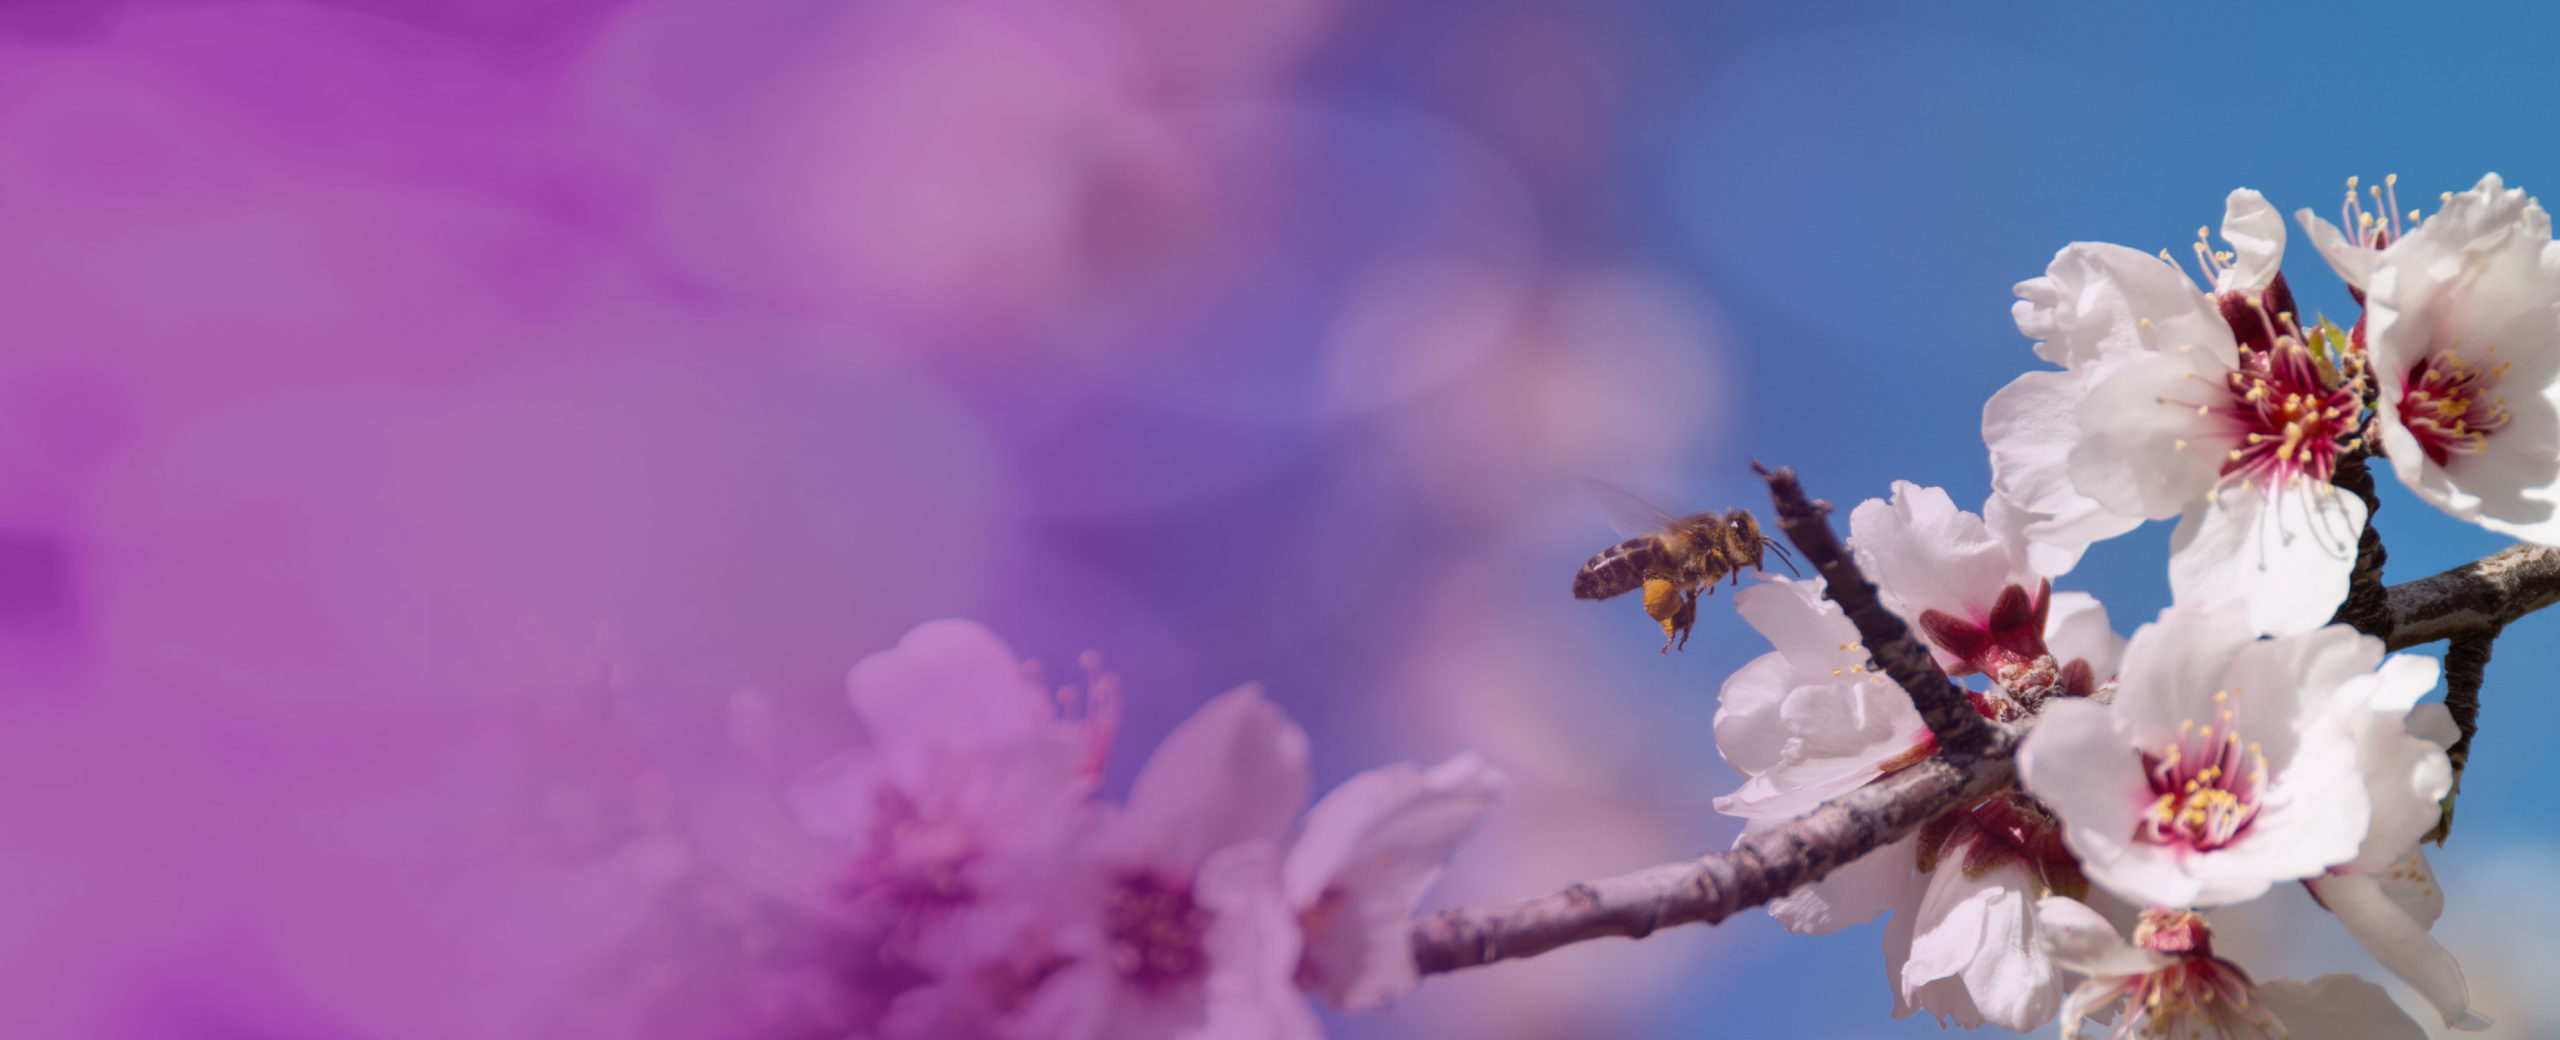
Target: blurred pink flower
969,854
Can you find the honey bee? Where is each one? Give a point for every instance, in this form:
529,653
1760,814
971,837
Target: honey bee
1675,560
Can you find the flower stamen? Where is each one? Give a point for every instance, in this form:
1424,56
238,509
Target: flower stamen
2446,405
2205,788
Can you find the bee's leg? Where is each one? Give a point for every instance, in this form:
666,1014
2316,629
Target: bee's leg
1680,624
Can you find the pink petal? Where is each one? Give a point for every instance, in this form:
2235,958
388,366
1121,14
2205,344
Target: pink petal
947,683
1368,851
1235,771
1252,947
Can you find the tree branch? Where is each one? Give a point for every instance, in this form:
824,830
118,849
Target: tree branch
2476,597
2368,605
1972,763
1763,865
1960,728
2468,604
2466,665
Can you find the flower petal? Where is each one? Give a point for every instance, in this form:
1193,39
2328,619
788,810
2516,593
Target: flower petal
2100,303
2410,883
2256,234
2337,1007
2288,554
2030,426
2353,262
2077,763
2400,943
1851,895
1924,553
1252,949
2076,629
1234,771
1366,854
2184,652
2406,776
947,683
2082,940
2148,445
1981,929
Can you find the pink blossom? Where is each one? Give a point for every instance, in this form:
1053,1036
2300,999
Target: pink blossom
2168,982
2226,763
970,855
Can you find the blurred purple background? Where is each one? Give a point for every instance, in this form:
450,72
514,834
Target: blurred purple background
418,416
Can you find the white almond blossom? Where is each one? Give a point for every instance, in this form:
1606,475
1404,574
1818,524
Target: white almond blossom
2462,331
2167,982
2226,764
2175,401
1978,591
2387,896
1809,721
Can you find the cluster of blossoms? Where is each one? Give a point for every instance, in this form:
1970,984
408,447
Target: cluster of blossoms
2240,741
2245,739
962,852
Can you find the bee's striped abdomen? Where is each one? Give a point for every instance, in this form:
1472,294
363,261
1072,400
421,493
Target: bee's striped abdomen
1620,568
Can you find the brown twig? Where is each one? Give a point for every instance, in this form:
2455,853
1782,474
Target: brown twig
2481,596
1951,716
2466,665
1972,763
2368,604
1762,866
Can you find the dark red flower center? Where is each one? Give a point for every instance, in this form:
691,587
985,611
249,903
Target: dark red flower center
2447,406
1156,930
2206,788
2287,420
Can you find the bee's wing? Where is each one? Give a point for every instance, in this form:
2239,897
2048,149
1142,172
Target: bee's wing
1629,514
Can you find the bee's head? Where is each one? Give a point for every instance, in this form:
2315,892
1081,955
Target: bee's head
1748,535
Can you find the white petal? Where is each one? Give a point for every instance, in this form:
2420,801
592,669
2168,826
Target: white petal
1799,621
1750,732
2256,234
2078,764
1800,745
2406,776
2354,263
1234,771
1924,553
2085,1001
2410,883
2287,555
2100,303
1981,930
2172,666
2400,943
1366,854
2030,427
2083,941
2010,522
1252,948
2076,628
2433,722
2337,1007
1944,998
2148,444
1852,895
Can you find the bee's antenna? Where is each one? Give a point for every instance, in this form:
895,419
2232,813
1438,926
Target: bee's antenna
1784,556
